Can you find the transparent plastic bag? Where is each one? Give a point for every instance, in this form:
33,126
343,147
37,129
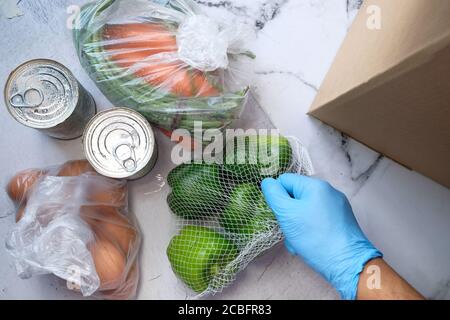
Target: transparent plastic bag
75,224
167,60
223,219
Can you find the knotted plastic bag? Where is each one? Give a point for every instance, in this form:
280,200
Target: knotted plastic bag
75,224
167,60
223,219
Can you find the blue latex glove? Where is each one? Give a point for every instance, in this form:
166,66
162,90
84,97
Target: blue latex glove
319,225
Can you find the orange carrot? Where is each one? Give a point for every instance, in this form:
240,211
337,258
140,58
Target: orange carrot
132,43
172,76
203,87
141,46
139,35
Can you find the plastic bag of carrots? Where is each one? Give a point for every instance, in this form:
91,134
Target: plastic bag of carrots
75,224
167,60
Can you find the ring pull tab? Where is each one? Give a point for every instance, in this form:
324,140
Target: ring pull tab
20,100
125,156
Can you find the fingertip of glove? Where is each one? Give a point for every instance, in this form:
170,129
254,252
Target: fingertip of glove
287,175
290,179
267,183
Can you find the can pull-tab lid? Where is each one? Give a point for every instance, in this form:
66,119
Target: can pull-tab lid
125,155
31,98
119,143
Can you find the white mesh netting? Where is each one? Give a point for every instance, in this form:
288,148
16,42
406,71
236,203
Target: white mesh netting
223,220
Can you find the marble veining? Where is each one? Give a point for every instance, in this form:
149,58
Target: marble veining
9,9
361,159
260,12
353,5
292,74
406,215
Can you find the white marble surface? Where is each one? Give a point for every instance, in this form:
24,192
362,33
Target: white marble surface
405,214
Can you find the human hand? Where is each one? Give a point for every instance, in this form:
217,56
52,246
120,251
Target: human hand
318,223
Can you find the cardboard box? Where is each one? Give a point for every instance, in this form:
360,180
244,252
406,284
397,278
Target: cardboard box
389,88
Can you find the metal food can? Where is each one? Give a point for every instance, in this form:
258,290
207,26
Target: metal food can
44,95
119,143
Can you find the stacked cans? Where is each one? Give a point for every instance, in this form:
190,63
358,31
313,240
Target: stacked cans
43,94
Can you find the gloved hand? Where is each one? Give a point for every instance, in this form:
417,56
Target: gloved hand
319,225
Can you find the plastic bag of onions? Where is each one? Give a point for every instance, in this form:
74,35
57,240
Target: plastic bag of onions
75,224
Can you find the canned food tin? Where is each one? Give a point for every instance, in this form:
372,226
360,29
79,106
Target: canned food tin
44,95
120,143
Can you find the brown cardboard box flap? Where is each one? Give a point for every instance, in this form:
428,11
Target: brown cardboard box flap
390,88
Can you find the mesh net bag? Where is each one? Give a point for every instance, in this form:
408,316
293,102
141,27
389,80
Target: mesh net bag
223,220
75,224
167,60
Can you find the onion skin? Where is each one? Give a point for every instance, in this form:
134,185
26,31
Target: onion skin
123,235
75,168
22,182
115,196
115,235
127,290
110,224
109,263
